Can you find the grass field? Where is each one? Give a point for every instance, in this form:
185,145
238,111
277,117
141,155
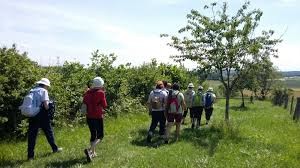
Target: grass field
259,136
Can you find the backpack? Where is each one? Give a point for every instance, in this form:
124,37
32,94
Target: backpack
156,101
174,104
208,100
198,100
28,107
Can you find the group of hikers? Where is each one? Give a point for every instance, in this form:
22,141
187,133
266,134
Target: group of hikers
166,105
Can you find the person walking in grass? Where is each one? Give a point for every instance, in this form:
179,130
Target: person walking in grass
176,106
209,99
95,102
188,96
42,119
197,108
156,104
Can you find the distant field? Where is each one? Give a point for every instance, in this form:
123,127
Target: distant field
293,82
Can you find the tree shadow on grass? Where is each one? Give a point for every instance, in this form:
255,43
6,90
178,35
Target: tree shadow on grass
239,108
11,163
207,138
140,139
68,163
15,163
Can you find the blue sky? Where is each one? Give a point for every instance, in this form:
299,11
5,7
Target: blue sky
71,30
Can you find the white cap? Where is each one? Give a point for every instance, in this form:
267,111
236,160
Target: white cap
210,89
97,82
44,81
200,88
191,85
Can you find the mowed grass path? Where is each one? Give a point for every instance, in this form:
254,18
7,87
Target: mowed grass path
259,136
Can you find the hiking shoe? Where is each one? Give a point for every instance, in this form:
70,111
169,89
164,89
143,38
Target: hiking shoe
88,155
30,159
148,139
94,155
58,150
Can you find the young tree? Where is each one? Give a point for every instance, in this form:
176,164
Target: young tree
223,43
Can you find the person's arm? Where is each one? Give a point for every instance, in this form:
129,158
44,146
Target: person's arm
45,99
183,104
149,103
103,100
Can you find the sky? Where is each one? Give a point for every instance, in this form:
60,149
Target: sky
53,31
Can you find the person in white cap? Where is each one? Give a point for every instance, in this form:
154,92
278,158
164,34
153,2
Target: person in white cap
209,99
95,101
188,97
41,120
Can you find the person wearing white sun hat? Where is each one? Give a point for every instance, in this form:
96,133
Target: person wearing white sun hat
95,101
41,120
188,96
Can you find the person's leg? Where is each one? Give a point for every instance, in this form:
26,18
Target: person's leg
208,113
170,123
178,119
191,115
154,121
99,136
48,130
184,116
162,123
199,114
32,134
93,132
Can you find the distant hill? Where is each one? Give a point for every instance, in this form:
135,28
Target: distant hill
290,73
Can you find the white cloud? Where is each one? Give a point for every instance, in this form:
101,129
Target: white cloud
43,22
289,57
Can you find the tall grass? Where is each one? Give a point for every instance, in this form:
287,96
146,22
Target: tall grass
257,136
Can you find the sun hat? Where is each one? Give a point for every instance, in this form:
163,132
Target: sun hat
97,82
210,89
158,83
191,85
200,88
44,81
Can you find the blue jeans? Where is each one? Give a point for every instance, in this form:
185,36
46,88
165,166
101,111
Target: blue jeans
41,120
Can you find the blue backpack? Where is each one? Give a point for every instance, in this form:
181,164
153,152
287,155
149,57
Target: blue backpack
208,100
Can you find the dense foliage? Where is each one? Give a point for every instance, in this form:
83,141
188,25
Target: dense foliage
127,87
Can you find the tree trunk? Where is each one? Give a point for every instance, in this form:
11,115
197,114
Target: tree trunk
292,105
297,110
243,100
227,105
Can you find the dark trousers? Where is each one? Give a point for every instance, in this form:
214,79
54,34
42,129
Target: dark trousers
39,121
208,113
96,128
196,113
185,112
158,116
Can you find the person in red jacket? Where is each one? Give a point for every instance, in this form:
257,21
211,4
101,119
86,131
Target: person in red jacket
95,101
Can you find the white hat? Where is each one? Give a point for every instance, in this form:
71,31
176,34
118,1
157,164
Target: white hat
191,85
44,81
200,88
97,82
210,89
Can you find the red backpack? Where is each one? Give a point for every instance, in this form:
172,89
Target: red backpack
173,104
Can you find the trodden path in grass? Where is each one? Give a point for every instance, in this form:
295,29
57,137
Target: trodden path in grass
259,136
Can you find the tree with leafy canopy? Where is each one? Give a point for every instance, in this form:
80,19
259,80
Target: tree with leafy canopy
224,43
